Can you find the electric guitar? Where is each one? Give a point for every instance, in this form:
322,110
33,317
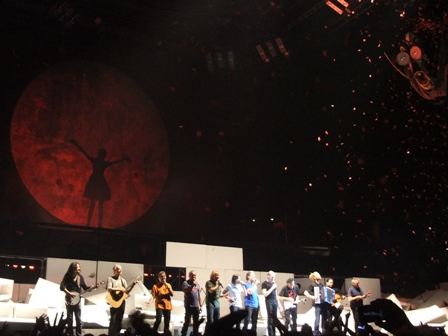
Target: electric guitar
292,304
74,300
116,298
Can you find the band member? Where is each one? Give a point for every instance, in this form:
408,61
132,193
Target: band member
268,288
161,293
334,309
72,284
320,307
289,295
213,288
117,284
192,303
356,297
251,303
233,294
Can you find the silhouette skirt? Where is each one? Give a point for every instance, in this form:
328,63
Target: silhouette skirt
97,188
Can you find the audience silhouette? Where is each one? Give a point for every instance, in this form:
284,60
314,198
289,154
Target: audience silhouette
393,320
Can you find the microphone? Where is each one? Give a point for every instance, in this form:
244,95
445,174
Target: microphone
219,282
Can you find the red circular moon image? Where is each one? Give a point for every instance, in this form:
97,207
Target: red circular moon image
89,145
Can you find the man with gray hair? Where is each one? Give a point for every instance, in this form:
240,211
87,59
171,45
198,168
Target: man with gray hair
268,288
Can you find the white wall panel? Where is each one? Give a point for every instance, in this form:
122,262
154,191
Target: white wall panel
185,255
221,257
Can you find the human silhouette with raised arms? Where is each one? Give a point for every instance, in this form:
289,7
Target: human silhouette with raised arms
97,189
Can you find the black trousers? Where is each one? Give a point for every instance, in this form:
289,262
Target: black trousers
291,318
74,310
252,317
166,319
116,318
189,313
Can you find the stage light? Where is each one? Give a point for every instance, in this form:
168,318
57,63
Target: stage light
281,46
145,275
220,60
15,266
32,267
334,7
403,58
231,60
210,67
343,3
416,53
261,53
23,266
271,48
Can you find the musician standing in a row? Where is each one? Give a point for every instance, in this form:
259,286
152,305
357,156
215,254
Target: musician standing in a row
334,309
268,288
320,307
72,284
162,293
192,303
213,288
117,284
232,293
251,303
356,297
288,295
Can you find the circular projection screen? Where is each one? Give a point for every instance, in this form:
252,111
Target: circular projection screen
89,145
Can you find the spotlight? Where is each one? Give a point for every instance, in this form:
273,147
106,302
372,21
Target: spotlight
403,58
416,53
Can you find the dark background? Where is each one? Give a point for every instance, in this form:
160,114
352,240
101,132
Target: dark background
328,147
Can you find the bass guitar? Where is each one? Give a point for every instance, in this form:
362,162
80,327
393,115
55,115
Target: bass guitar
74,300
116,298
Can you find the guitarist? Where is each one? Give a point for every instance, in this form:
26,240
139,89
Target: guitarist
117,284
289,294
335,309
356,297
71,285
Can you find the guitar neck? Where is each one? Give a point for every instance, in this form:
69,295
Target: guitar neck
132,285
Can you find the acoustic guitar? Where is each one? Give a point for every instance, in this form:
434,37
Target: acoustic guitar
337,300
74,300
116,298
